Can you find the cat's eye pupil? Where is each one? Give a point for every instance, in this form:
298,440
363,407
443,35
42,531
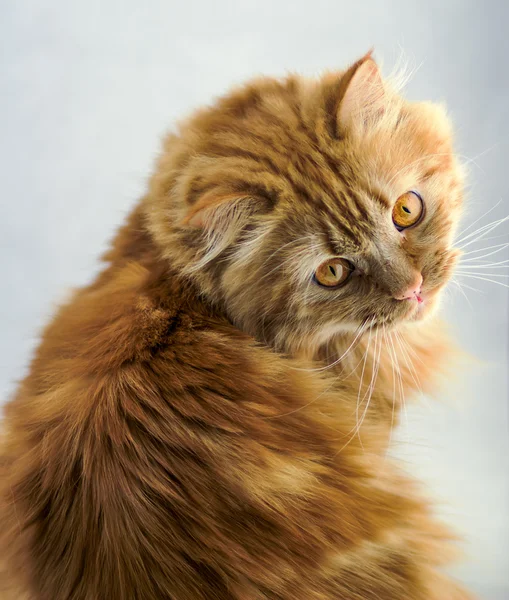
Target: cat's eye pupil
407,210
332,270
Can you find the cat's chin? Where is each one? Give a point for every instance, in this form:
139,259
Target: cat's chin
426,308
418,311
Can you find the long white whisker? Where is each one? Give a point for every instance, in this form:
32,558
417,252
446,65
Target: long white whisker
400,381
354,429
360,331
409,363
478,230
458,285
482,232
480,272
503,264
462,234
499,248
371,386
473,159
393,387
362,374
483,279
482,262
464,285
494,237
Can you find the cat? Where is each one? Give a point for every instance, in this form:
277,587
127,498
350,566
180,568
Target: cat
210,418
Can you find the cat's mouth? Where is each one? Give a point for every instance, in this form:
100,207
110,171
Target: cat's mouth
417,309
429,300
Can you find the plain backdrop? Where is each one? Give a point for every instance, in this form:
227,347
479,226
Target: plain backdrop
87,90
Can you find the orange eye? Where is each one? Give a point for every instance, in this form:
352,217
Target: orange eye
333,272
407,211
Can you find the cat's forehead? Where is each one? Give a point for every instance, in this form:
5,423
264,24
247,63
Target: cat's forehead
415,147
366,228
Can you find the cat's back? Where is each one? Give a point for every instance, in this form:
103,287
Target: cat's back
143,437
156,451
120,390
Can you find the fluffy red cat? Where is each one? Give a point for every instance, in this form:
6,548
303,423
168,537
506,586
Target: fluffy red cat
209,419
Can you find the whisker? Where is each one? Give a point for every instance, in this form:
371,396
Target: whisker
503,264
354,429
371,386
467,236
484,279
499,247
464,285
360,330
481,232
472,160
494,237
409,363
480,229
388,338
400,380
461,272
458,285
362,373
462,234
482,262
291,412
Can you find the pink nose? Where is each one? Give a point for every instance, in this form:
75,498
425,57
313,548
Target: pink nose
413,291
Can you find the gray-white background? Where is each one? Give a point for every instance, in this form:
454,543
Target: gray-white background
89,87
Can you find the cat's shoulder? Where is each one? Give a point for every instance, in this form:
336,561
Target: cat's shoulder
138,319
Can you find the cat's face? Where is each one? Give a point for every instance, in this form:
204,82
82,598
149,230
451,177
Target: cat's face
317,207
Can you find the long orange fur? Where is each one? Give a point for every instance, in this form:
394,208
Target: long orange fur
203,422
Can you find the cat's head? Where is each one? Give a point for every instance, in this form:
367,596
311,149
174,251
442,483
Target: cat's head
310,207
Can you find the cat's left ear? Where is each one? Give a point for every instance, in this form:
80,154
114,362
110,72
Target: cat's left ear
362,94
215,210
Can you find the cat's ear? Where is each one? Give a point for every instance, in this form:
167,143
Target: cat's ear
221,211
216,210
362,94
221,217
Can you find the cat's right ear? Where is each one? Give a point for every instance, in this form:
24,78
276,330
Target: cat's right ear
361,93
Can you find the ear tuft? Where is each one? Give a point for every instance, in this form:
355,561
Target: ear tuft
220,217
363,92
205,212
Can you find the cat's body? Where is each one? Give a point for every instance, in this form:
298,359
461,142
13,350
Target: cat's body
169,444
